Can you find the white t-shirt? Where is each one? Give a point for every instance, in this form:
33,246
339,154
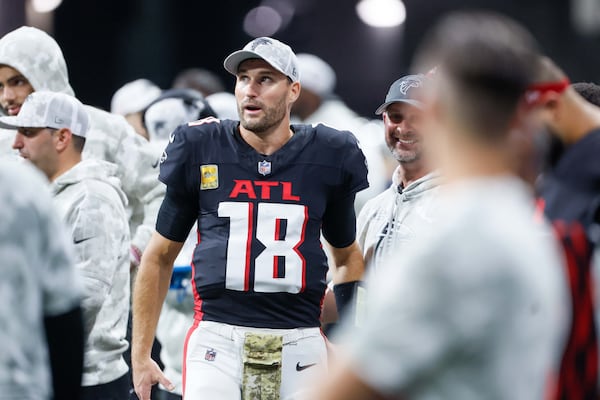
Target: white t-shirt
476,308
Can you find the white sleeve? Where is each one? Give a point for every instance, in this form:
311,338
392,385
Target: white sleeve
362,225
404,316
99,230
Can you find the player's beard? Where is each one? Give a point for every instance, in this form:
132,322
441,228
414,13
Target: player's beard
272,117
406,156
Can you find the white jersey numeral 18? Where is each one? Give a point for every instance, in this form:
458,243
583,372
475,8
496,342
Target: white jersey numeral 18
280,228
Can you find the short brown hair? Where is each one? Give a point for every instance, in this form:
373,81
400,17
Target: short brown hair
78,142
487,61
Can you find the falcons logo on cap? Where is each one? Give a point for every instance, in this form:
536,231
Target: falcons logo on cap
258,42
409,83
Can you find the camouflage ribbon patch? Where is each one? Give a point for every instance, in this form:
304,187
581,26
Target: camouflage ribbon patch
262,366
209,177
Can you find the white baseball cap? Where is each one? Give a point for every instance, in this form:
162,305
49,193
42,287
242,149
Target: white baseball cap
134,97
279,55
317,75
224,105
55,110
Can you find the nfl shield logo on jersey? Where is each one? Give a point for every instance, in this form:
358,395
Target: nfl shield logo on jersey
210,355
264,167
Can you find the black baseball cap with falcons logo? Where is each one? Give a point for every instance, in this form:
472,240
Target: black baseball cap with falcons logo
404,90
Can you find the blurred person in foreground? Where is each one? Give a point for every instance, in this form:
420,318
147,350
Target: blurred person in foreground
130,101
41,330
389,221
570,197
31,60
261,191
318,104
51,133
475,308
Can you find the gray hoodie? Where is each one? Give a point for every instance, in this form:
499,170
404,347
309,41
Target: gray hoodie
38,57
389,221
88,198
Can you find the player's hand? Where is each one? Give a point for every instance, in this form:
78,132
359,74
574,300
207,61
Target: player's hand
146,374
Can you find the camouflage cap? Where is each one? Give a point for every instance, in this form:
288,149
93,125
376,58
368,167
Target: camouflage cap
279,55
55,110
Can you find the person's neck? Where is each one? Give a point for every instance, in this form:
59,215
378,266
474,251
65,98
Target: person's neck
307,111
410,172
270,141
66,162
582,119
473,160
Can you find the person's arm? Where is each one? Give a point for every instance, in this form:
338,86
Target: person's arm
98,227
339,229
347,276
64,335
151,286
349,264
140,163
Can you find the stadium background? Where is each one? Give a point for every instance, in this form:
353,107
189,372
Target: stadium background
110,42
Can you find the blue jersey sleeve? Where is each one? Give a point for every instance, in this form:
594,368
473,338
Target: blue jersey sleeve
339,222
176,216
339,219
354,168
175,162
179,208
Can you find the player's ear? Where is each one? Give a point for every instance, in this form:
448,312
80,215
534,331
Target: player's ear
294,91
63,139
551,107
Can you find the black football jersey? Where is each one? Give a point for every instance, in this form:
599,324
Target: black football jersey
571,193
259,260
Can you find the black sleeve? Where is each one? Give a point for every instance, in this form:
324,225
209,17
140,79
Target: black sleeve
175,161
355,167
176,216
64,334
339,222
345,293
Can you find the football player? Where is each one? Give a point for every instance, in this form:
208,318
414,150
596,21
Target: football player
261,191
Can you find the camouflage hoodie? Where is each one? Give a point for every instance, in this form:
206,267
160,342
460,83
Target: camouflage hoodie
38,57
38,280
90,202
